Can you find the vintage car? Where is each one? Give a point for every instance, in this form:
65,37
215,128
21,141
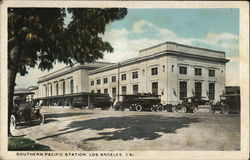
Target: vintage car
97,101
190,104
26,109
139,102
229,103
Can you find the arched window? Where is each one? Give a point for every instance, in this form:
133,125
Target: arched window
57,89
51,90
71,86
63,87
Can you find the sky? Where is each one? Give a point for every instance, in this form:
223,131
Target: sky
216,29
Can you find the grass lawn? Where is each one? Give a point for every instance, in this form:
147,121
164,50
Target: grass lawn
25,144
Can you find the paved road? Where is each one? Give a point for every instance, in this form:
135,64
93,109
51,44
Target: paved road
75,129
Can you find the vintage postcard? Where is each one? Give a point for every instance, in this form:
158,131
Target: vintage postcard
124,80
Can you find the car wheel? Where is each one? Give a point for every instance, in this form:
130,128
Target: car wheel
160,108
91,107
174,109
138,108
225,109
183,109
208,104
195,109
13,121
41,119
152,109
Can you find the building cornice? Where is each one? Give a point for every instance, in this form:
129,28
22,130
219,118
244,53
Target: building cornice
64,73
183,45
69,70
156,55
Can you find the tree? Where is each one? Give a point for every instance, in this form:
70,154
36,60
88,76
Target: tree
39,36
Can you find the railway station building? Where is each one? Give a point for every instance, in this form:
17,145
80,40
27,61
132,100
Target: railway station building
173,71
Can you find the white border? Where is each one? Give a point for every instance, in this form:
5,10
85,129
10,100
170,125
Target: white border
244,74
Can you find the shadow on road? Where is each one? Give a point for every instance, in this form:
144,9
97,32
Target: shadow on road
59,115
147,127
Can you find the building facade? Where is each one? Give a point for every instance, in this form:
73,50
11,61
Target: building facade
58,87
171,70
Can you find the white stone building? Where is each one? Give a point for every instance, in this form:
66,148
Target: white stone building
171,70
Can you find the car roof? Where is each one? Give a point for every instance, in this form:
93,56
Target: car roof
16,93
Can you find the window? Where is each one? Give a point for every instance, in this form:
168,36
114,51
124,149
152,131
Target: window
63,87
71,86
198,89
172,68
198,71
92,91
154,71
51,91
211,73
57,89
105,80
124,89
155,88
211,92
135,89
92,83
163,68
98,91
46,92
135,75
183,90
98,81
113,93
182,70
113,78
106,91
123,77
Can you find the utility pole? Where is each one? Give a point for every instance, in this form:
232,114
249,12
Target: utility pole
118,83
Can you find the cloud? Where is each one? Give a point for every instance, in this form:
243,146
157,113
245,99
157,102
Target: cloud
126,45
128,42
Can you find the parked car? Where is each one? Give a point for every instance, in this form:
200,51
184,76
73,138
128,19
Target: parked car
25,109
102,102
98,101
139,102
229,103
190,104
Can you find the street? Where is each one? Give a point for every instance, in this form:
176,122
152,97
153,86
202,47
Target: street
107,130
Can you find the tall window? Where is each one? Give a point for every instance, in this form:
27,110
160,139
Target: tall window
113,78
135,75
57,89
135,89
51,91
113,93
92,83
106,91
71,86
123,77
154,71
182,70
105,80
98,91
183,90
155,88
211,92
46,92
124,89
198,71
63,87
98,81
198,89
211,73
